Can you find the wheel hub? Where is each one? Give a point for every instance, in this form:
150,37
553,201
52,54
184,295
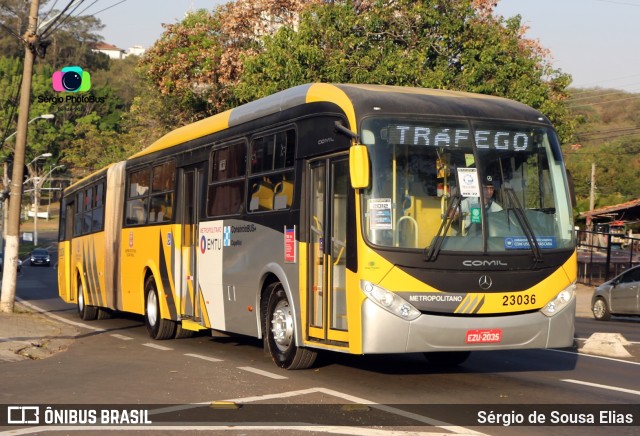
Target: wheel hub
282,325
598,308
152,308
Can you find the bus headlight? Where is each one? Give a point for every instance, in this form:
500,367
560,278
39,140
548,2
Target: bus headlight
389,301
562,299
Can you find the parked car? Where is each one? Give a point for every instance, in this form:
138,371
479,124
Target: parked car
618,296
40,256
2,262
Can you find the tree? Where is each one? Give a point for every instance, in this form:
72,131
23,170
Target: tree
249,49
198,62
457,45
9,276
70,44
182,63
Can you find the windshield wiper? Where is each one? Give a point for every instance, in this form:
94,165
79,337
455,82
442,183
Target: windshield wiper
525,224
435,248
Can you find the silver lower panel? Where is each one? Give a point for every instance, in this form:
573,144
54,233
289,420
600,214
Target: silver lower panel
386,333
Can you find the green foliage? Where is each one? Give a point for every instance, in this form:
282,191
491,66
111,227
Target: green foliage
182,64
427,44
212,61
607,134
79,135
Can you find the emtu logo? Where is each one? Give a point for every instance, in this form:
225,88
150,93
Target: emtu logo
71,79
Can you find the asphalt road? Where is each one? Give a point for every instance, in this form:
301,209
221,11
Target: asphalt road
227,385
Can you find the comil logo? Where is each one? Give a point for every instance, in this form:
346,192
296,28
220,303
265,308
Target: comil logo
71,79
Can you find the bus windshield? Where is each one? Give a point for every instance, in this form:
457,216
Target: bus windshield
489,187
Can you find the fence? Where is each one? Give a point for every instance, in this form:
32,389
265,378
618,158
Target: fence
602,256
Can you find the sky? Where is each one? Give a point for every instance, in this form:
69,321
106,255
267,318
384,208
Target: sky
597,42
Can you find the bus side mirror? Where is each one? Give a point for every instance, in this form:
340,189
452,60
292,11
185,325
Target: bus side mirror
359,166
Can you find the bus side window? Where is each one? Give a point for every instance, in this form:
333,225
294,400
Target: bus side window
136,211
272,160
77,227
226,189
261,194
283,191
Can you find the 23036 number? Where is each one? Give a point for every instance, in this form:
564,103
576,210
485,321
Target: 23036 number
513,300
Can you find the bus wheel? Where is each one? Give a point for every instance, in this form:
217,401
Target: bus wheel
86,313
157,327
445,359
280,332
600,310
182,333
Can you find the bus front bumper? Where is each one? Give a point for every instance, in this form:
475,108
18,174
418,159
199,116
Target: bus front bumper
383,332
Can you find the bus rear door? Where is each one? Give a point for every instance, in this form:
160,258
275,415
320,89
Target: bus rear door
64,254
191,182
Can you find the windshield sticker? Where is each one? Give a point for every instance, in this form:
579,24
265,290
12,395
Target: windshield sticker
380,214
522,243
469,186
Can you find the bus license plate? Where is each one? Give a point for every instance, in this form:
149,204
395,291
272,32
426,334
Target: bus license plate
484,336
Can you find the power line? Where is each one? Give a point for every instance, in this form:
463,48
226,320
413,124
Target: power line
109,7
50,10
604,102
611,80
616,130
580,96
616,2
57,21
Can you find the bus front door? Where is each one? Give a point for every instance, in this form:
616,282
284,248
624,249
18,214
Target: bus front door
192,182
327,314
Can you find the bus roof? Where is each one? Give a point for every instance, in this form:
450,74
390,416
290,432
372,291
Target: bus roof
355,100
91,176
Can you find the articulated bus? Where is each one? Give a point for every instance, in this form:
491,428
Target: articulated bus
351,218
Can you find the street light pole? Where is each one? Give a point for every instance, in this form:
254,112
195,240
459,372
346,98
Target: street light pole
5,179
37,186
10,273
39,117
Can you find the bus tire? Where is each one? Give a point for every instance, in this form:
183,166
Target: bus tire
85,312
182,333
280,332
104,313
157,327
446,359
601,310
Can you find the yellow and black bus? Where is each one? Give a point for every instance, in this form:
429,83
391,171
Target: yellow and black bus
354,218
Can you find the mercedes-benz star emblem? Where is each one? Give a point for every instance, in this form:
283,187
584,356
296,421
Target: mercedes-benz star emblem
485,282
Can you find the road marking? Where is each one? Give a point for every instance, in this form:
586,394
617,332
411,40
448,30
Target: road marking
331,429
122,337
414,416
157,347
631,342
595,385
59,318
263,373
210,359
594,356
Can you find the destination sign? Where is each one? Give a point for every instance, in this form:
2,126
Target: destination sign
460,137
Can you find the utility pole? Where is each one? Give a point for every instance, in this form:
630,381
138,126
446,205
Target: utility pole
10,273
592,194
592,204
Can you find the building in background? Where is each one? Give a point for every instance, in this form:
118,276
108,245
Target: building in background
117,53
